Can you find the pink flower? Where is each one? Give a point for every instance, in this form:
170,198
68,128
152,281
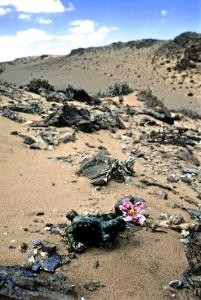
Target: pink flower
132,211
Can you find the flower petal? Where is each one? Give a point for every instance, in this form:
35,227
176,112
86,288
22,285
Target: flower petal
122,208
127,203
139,206
128,218
139,219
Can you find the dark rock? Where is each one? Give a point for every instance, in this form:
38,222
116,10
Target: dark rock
118,89
170,136
27,109
186,179
52,262
187,155
199,196
176,284
96,265
48,247
92,286
34,146
40,213
192,276
161,114
29,140
7,113
37,243
45,246
12,247
82,119
23,247
68,137
172,178
54,96
14,132
36,266
21,283
190,171
195,214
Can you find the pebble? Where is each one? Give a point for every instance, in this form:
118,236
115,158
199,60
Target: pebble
190,171
172,178
163,216
186,179
34,146
23,247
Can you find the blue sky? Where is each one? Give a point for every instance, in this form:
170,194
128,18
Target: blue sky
35,27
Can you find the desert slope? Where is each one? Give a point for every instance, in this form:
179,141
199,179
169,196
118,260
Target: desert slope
37,189
143,64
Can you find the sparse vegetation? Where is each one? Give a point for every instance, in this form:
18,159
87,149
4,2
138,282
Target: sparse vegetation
1,69
190,114
149,99
81,95
118,89
38,85
186,37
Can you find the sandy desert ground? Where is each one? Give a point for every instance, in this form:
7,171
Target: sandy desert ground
143,262
36,189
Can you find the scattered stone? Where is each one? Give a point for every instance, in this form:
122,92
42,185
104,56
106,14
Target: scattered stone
164,195
195,214
163,216
51,263
176,284
190,171
187,155
93,286
22,283
186,179
68,137
23,247
185,237
171,136
82,119
12,247
35,146
172,178
40,213
29,140
96,264
8,113
160,113
176,219
27,109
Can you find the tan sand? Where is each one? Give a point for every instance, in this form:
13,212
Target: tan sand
138,267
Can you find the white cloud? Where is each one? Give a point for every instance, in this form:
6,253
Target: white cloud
70,7
4,11
82,27
164,12
35,6
24,17
44,21
81,33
